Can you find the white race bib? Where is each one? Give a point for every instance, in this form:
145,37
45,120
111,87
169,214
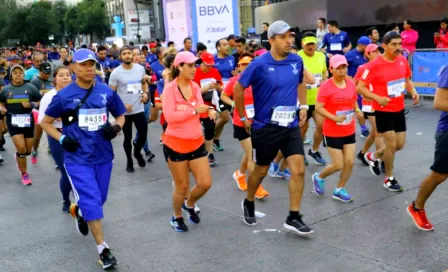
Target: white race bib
318,79
92,119
21,120
396,88
134,88
206,82
348,117
335,47
283,115
367,108
250,111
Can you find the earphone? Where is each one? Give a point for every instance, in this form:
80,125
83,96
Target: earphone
180,69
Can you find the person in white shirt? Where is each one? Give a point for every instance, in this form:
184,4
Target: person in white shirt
321,31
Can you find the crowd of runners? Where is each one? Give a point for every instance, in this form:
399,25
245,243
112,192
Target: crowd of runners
269,94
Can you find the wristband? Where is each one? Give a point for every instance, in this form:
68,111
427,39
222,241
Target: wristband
61,139
304,107
243,119
233,104
357,109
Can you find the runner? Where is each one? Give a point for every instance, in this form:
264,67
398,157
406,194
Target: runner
128,80
276,80
32,73
183,142
337,103
336,41
439,169
61,79
17,102
87,140
247,163
390,76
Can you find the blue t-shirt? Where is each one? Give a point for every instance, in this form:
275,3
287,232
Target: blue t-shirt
274,87
94,148
442,125
354,60
225,66
160,86
157,68
336,42
191,51
105,63
150,58
31,74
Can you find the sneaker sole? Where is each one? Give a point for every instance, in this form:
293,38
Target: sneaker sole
272,174
415,223
237,183
342,200
73,214
244,218
217,149
392,190
261,197
288,227
150,158
316,162
107,266
362,161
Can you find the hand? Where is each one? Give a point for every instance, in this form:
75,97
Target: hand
213,86
247,126
145,97
111,132
201,108
26,105
329,55
235,72
302,116
359,114
345,50
68,143
437,34
339,118
415,97
213,115
128,107
383,101
3,110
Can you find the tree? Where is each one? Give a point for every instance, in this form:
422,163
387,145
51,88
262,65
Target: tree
59,10
92,18
71,22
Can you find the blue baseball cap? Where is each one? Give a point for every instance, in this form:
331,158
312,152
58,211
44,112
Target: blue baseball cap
364,40
83,55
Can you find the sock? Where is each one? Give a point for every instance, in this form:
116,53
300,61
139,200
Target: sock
293,214
371,156
314,151
415,209
363,127
187,205
101,247
389,178
249,203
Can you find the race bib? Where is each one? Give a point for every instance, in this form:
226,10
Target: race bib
134,88
348,117
250,111
206,82
318,79
335,47
92,119
396,88
367,108
21,120
283,115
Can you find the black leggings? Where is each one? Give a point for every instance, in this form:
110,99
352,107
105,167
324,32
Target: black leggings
141,125
209,128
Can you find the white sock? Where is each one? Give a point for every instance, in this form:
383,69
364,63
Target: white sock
101,247
314,151
240,174
187,205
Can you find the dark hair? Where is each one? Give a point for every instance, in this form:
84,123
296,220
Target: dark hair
309,34
170,43
241,40
56,71
200,47
84,46
101,48
66,63
267,24
391,26
158,51
369,31
246,54
168,60
175,71
389,36
126,47
333,23
323,20
412,24
444,20
131,43
218,42
187,39
144,47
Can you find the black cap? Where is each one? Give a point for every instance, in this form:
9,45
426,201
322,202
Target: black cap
45,67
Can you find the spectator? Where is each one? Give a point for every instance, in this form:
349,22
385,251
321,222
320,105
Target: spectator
393,27
409,36
297,37
264,41
374,35
321,31
441,37
240,48
200,48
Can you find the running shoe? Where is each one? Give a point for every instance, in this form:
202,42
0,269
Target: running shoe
365,133
240,180
374,164
392,185
107,260
307,141
318,184
66,206
26,179
261,192
284,174
342,195
317,157
217,146
149,156
81,224
178,224
306,161
194,218
362,158
211,159
196,209
297,225
140,160
248,213
406,111
34,157
419,218
273,169
1,159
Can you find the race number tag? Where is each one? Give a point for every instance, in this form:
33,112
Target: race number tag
396,88
348,117
367,108
92,119
283,115
318,79
207,81
21,120
250,111
134,88
335,47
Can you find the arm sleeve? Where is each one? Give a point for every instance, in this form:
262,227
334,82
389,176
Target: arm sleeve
325,42
55,109
346,40
249,75
113,79
169,107
160,85
408,70
444,38
359,73
443,80
436,40
367,76
228,90
116,106
44,102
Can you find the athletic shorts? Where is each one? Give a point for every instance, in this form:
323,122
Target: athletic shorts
339,142
390,121
309,113
2,116
267,141
175,156
440,164
240,133
27,132
223,106
152,94
367,114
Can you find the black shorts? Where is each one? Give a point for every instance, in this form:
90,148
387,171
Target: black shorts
2,117
267,141
240,133
367,114
223,106
27,132
390,121
152,95
175,156
209,128
339,142
440,164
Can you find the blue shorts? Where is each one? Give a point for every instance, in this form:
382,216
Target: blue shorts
90,185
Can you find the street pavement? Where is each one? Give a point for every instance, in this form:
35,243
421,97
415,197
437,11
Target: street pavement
373,233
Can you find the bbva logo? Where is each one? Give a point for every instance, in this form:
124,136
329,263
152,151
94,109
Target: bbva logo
213,10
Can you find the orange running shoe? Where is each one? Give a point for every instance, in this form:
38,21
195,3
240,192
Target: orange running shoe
419,218
240,180
261,193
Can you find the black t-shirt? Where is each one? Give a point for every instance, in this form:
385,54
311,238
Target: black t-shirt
44,86
13,96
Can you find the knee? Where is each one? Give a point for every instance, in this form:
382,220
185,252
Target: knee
153,117
225,117
348,163
399,146
337,166
259,172
181,187
205,184
297,170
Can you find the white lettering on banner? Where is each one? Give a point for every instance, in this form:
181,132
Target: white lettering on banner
21,120
92,119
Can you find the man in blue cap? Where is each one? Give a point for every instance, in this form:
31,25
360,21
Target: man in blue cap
86,135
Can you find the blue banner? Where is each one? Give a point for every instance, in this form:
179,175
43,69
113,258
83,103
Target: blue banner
425,67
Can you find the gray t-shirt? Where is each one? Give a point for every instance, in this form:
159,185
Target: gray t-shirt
129,86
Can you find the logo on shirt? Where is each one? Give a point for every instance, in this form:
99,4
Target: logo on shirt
231,63
342,38
271,69
294,68
104,96
76,101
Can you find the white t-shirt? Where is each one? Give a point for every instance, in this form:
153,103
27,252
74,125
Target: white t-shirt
320,33
44,103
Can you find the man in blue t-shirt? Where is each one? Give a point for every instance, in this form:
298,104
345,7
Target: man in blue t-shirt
84,107
336,41
439,169
277,85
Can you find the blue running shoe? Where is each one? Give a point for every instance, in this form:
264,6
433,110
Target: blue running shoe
318,184
317,157
365,133
285,174
178,224
273,169
342,195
